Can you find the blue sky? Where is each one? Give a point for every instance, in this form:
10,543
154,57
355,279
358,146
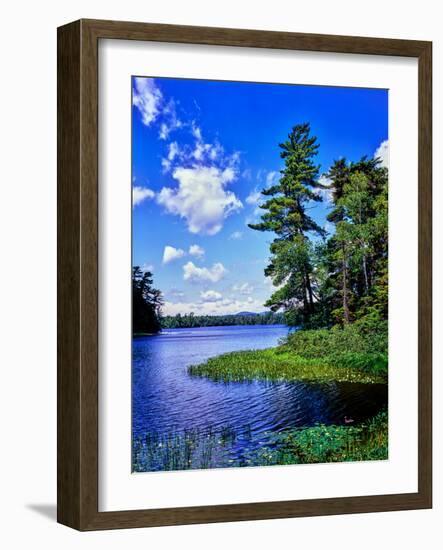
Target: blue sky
201,153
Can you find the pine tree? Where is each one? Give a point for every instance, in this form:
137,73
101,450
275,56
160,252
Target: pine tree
146,303
291,267
357,252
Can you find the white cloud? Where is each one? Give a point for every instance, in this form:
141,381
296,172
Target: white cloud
268,282
203,172
245,289
382,152
247,174
170,254
268,177
148,98
324,180
196,132
272,178
216,151
197,274
175,293
325,194
140,194
254,197
201,198
269,285
197,251
210,296
329,228
236,235
164,131
147,267
200,150
206,151
166,165
174,152
170,120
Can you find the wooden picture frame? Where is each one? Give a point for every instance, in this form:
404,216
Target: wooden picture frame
78,274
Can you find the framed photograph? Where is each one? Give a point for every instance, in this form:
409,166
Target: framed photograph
244,275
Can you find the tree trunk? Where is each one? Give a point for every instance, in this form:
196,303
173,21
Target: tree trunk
365,272
345,289
309,289
305,296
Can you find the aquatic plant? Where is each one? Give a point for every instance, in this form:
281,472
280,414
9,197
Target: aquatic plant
280,364
321,443
182,450
220,448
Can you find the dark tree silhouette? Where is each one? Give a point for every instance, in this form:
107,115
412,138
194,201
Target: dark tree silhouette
146,303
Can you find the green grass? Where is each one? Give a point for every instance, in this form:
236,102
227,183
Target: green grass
203,449
355,353
280,364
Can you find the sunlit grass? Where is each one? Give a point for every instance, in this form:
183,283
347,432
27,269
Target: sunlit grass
282,364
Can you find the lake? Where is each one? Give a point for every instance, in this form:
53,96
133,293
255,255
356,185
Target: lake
167,400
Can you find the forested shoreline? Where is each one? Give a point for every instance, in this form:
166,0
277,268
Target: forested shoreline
332,284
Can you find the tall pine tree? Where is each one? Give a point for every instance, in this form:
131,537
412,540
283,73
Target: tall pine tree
291,267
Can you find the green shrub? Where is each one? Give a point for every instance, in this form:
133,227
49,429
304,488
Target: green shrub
373,363
358,337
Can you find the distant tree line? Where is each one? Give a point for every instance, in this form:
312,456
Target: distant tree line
147,302
190,320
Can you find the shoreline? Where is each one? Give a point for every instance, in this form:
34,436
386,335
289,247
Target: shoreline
351,354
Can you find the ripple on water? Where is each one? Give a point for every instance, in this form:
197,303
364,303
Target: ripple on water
167,399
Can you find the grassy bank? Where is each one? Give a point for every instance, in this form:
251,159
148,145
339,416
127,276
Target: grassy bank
356,353
202,449
278,365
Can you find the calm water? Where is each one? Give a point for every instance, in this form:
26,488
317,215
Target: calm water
166,399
